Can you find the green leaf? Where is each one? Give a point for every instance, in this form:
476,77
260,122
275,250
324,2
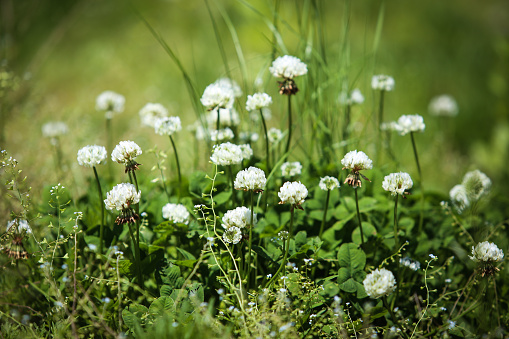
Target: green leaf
131,321
161,305
262,252
300,239
166,291
124,267
222,197
352,261
187,255
348,286
368,229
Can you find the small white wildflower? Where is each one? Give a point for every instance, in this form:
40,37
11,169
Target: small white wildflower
410,123
248,137
91,156
413,265
432,256
230,84
247,151
239,217
328,183
275,135
110,102
217,96
448,281
222,134
176,212
252,178
125,152
389,126
232,235
151,112
54,129
382,82
292,193
354,98
477,184
486,251
443,105
226,154
356,161
397,183
269,275
121,197
452,324
258,101
459,197
288,67
167,125
227,117
380,282
290,169
22,225
92,247
309,261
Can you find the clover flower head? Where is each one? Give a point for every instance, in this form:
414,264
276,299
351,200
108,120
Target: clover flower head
389,126
249,179
110,102
328,183
288,67
258,101
397,183
217,96
486,252
232,235
54,129
227,117
226,154
275,135
356,161
293,193
22,225
477,184
167,125
90,156
443,105
222,134
459,198
248,137
125,153
120,198
354,98
230,84
290,169
176,213
410,123
382,82
151,112
247,151
239,217
380,282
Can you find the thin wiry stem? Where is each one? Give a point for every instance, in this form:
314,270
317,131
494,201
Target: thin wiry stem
250,240
359,215
101,203
421,216
396,243
289,123
324,214
266,142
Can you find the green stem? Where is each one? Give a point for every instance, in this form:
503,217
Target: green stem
178,165
324,214
283,263
136,254
250,241
396,243
380,120
232,183
218,122
289,123
359,215
101,230
109,146
346,126
421,216
266,141
138,234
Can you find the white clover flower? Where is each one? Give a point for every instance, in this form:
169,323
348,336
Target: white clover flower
292,193
328,183
355,97
443,105
248,137
226,154
382,82
410,123
176,212
288,67
290,169
227,117
151,112
389,126
397,183
230,84
222,134
459,197
121,197
232,235
22,226
217,96
275,135
125,152
255,115
250,179
167,125
477,184
247,151
91,156
356,161
258,101
54,129
239,217
380,282
486,251
200,132
111,102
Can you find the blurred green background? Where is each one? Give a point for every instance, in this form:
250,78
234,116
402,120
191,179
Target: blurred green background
67,52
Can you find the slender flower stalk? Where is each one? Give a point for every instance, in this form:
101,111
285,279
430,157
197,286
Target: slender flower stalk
359,215
383,83
267,154
288,142
177,161
327,184
101,230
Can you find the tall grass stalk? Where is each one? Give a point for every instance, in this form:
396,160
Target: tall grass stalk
289,124
101,203
178,165
267,154
421,215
